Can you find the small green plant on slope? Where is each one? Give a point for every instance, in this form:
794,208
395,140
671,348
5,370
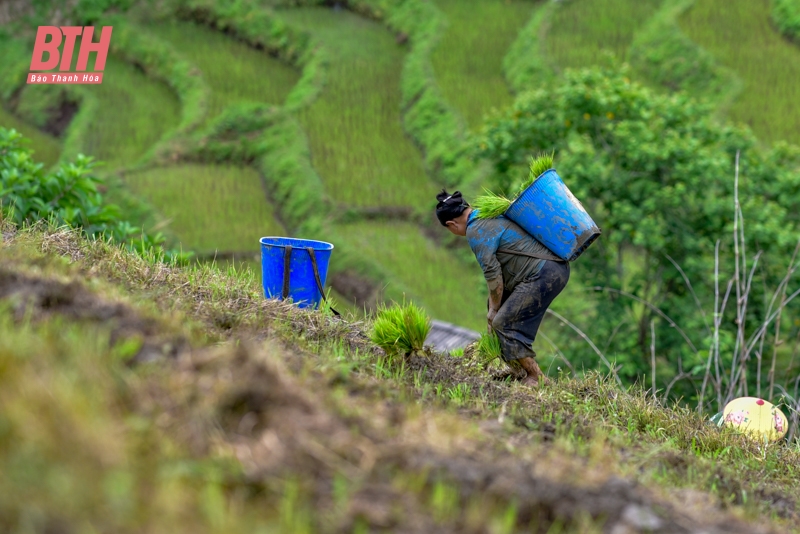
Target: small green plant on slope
400,329
492,205
70,195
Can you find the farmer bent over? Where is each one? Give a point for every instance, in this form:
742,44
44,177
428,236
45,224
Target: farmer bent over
521,283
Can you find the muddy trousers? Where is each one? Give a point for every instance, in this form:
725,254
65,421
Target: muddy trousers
522,310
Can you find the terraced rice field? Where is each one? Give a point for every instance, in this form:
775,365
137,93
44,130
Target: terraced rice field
234,71
133,113
739,34
210,207
354,128
448,287
468,60
582,32
218,207
46,147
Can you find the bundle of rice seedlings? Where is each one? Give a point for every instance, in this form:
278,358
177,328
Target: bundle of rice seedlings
491,205
400,329
488,348
538,166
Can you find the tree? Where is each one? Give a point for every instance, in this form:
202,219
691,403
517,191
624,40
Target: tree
657,174
69,195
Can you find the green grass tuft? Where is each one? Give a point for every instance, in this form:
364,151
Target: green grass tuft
400,329
491,205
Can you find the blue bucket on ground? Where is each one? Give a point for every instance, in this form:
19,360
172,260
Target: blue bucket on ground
301,285
549,211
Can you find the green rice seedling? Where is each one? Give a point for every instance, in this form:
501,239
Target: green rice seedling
491,205
459,394
538,166
457,353
355,132
468,59
400,329
488,348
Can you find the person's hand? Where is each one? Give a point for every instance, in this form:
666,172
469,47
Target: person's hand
490,318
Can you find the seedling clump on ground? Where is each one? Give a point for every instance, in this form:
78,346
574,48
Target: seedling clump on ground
400,329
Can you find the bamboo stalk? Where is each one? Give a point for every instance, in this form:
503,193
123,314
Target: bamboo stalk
653,354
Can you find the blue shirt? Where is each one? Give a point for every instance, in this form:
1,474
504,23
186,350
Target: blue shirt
485,236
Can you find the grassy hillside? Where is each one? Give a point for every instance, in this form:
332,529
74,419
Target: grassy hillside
468,58
220,208
137,396
741,36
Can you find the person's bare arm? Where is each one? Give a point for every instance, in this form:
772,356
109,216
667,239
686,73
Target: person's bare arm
495,298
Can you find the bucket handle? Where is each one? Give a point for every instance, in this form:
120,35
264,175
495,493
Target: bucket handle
287,262
317,279
287,257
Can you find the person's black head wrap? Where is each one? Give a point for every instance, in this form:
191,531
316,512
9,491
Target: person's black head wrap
449,206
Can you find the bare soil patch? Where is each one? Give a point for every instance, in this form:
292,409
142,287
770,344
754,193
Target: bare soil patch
37,298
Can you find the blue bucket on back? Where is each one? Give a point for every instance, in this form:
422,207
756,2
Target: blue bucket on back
549,211
302,287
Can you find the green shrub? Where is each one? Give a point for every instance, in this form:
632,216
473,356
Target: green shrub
69,195
656,172
786,16
400,329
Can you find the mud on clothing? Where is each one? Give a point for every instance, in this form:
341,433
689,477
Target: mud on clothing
523,309
529,285
487,235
